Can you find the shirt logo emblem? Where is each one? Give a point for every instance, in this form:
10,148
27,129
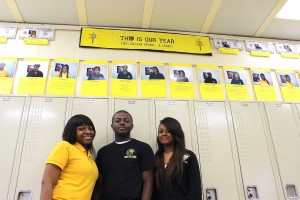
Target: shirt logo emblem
130,154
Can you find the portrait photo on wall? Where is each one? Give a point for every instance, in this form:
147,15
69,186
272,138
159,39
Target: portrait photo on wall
152,72
64,69
208,76
235,77
124,71
7,68
261,78
287,79
95,72
37,69
181,74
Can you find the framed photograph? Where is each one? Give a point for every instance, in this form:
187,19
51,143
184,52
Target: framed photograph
263,78
236,77
208,76
151,72
287,79
95,72
181,74
64,69
124,71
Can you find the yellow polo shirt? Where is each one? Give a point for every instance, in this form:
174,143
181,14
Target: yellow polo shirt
4,73
79,171
63,75
263,83
290,84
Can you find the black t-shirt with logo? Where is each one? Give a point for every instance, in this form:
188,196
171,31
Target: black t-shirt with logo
121,167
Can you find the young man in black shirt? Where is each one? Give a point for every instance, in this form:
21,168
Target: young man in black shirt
125,74
35,72
125,166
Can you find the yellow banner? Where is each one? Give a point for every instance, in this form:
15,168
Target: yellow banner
207,67
144,40
259,69
290,93
260,54
285,71
104,62
6,85
237,92
290,55
184,90
36,41
61,86
211,91
265,93
31,85
229,51
94,88
233,67
154,88
3,40
124,88
152,63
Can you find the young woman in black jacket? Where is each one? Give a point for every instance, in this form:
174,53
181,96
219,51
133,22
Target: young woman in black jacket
177,175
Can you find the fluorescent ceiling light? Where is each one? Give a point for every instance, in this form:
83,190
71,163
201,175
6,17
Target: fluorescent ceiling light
290,10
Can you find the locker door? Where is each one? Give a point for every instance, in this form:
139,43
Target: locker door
216,157
45,124
10,117
286,141
180,111
141,111
98,111
256,166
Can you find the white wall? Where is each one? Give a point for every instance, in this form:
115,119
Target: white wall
66,45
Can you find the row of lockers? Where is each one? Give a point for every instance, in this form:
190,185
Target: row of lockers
246,150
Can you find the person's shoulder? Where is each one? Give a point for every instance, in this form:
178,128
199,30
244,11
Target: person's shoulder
139,142
189,154
106,147
142,145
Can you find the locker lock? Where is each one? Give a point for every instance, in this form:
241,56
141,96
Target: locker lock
211,194
252,193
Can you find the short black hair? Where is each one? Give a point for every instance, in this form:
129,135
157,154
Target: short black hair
97,67
121,111
69,133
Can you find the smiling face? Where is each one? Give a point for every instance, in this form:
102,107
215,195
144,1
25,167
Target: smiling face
164,137
96,71
236,76
287,78
36,68
64,69
122,125
85,134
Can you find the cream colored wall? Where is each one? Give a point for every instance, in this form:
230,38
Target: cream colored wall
66,45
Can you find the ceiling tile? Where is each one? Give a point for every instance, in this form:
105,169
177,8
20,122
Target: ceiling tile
180,15
283,29
49,12
241,17
115,13
5,14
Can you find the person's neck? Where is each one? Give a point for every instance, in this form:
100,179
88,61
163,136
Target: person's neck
122,139
168,149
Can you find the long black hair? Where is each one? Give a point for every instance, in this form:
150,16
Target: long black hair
61,70
175,165
69,133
